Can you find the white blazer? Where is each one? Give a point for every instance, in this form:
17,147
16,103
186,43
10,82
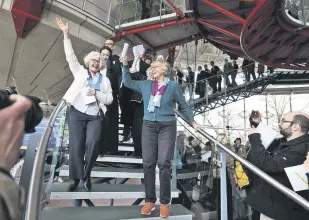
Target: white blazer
104,96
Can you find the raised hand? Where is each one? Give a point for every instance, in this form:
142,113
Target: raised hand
124,60
64,27
196,126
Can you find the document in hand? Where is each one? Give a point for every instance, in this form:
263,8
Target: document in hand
297,177
87,99
268,135
138,50
124,50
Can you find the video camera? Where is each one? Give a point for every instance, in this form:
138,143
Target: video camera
32,117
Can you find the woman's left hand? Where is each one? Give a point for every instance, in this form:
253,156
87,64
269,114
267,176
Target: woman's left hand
196,126
91,92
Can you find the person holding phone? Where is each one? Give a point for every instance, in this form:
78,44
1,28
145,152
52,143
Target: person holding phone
271,203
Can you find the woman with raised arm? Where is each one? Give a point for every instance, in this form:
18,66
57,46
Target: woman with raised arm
159,129
88,95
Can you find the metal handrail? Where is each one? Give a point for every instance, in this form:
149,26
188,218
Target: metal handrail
33,207
289,193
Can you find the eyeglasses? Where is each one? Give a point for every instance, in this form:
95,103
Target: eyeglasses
95,61
109,44
284,121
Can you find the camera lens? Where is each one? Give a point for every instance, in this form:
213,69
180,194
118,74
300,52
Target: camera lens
34,115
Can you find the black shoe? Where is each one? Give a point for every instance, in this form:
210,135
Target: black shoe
73,186
87,184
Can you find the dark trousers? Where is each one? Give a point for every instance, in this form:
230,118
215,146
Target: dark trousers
213,85
158,142
233,76
218,84
84,137
138,115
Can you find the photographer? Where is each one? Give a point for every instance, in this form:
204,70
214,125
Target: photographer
12,127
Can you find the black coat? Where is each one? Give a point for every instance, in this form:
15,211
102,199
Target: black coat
110,137
265,198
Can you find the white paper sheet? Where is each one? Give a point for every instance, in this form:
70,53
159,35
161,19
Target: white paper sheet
138,50
124,50
297,177
87,99
206,156
268,135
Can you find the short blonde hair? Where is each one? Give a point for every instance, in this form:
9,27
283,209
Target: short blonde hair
165,64
93,55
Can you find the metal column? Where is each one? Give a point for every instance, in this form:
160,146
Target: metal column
223,183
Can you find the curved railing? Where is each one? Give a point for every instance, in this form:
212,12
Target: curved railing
33,206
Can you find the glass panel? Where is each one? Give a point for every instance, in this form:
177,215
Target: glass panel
194,172
135,10
56,153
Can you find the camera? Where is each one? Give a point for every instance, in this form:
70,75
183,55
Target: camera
32,117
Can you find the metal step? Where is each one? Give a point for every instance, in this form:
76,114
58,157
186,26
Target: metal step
102,191
120,159
126,148
132,173
178,212
108,172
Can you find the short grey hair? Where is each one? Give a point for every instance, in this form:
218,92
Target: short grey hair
93,55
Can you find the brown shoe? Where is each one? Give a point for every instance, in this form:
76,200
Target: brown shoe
164,211
148,208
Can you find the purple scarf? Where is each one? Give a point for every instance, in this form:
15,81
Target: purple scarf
156,94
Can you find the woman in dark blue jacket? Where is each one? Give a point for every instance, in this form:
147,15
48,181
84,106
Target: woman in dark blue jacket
159,129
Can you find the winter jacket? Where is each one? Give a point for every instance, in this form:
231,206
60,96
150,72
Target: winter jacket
11,198
265,198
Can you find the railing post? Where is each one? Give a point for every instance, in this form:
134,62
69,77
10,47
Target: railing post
206,92
109,11
120,14
223,184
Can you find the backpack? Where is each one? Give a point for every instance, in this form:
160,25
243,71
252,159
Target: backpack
241,177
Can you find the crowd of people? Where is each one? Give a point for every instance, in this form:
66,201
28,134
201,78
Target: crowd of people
147,112
147,97
218,78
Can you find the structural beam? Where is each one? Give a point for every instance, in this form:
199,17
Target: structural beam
225,11
177,10
151,27
229,45
222,30
179,42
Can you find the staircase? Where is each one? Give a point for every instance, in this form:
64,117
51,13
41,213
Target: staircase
110,177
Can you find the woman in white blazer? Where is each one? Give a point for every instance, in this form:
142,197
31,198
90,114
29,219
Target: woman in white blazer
88,95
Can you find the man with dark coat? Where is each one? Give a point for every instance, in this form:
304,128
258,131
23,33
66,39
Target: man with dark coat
110,135
268,200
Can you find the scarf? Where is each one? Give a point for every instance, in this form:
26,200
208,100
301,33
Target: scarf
156,94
